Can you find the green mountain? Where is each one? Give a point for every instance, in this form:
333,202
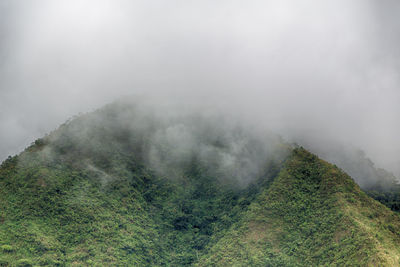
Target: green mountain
128,185
312,214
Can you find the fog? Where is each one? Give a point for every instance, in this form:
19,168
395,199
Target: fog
316,72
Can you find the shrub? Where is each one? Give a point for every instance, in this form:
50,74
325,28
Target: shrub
24,263
7,248
4,263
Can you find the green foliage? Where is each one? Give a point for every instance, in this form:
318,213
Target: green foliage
60,211
24,263
6,248
389,198
309,216
91,200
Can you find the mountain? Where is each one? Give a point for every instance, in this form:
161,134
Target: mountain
353,161
378,183
136,185
313,214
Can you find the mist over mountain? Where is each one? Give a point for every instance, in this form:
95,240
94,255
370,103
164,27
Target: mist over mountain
199,133
166,137
304,69
136,183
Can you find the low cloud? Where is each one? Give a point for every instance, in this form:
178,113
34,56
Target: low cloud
307,70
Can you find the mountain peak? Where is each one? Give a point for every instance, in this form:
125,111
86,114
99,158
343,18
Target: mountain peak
312,214
133,188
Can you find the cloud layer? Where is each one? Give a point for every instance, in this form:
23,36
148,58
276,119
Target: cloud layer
309,70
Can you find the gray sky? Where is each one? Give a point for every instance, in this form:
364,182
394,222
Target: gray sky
307,69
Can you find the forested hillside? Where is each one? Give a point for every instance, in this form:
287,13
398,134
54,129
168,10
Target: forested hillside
127,186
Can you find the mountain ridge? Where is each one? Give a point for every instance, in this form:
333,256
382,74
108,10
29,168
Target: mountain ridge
121,187
339,189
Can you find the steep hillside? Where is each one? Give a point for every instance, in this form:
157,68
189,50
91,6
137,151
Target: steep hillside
122,186
312,214
128,186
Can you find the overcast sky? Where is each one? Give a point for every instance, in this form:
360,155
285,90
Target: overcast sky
307,69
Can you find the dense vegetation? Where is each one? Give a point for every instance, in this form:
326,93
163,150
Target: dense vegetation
312,215
378,183
108,188
59,215
388,197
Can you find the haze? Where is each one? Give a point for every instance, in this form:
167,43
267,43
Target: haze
317,72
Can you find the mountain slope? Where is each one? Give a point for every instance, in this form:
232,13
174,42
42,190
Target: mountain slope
313,214
115,187
123,186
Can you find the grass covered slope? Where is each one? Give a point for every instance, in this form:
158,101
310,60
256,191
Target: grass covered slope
115,188
124,186
312,214
54,214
